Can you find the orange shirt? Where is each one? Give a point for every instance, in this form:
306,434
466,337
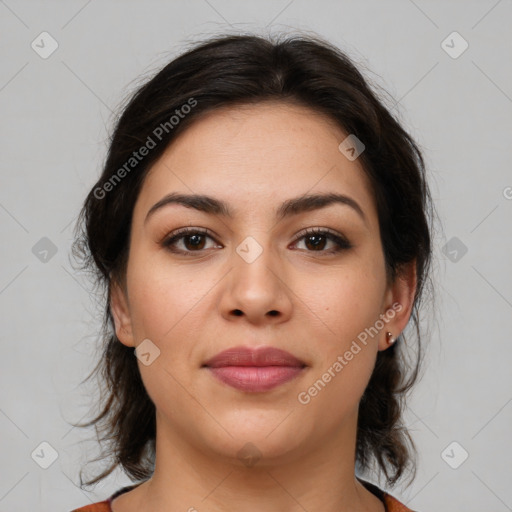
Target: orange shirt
390,503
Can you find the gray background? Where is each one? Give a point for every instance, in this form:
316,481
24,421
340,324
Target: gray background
56,116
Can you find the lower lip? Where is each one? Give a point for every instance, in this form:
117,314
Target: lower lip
255,378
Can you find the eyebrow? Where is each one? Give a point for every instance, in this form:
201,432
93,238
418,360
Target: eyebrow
288,208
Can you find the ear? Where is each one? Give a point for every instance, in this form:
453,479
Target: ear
121,312
398,303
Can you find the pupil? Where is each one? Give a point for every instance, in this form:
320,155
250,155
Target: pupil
317,239
195,240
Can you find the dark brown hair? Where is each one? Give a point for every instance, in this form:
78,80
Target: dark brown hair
235,70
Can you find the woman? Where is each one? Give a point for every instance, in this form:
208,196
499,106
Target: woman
262,228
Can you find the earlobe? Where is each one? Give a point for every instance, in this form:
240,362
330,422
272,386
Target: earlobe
399,305
121,314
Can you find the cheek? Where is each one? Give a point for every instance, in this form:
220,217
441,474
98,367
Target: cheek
163,298
345,354
164,304
347,302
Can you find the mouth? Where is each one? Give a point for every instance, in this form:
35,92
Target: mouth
254,370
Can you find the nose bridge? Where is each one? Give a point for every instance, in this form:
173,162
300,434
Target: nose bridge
256,287
255,266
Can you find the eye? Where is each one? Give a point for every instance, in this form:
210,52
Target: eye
192,240
316,239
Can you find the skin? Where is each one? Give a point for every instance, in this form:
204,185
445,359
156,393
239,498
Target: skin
254,158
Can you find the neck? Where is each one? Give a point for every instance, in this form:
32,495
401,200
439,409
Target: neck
320,478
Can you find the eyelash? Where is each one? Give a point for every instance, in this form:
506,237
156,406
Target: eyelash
341,242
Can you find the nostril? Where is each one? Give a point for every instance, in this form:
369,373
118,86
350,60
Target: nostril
273,313
238,312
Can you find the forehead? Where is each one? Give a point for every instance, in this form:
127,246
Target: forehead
258,155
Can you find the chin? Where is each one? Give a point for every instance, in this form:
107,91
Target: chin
259,440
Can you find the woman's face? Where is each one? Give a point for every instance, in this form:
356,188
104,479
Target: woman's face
257,280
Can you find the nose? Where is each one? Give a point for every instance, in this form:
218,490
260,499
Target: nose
256,291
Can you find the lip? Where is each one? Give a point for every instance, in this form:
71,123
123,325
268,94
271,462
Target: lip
254,370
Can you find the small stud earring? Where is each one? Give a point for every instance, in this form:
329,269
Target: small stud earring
390,339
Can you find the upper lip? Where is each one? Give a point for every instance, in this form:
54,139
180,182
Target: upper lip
246,356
